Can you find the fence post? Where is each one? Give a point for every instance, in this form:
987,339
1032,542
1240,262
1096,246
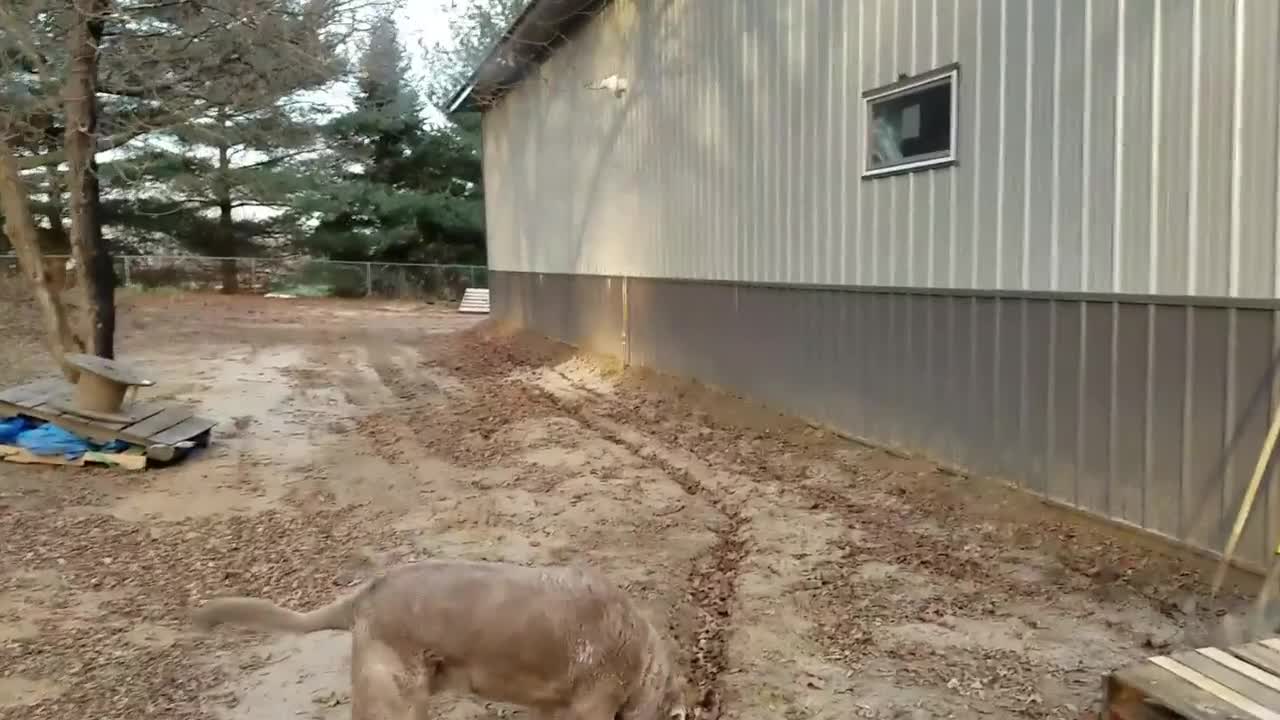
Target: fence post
471,270
253,274
368,279
127,281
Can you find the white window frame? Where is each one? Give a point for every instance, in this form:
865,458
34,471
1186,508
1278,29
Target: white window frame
948,75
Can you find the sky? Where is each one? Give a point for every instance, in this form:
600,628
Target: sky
421,23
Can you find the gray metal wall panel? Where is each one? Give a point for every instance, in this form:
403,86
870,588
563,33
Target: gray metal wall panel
1065,418
1152,415
1131,402
1093,472
1205,428
1249,412
1008,422
1038,327
1167,418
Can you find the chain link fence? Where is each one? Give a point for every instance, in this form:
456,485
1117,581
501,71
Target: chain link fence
293,276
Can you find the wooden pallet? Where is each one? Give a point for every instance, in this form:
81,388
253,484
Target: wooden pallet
474,300
1241,682
167,432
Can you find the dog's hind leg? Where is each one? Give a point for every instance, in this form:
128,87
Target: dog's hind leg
383,687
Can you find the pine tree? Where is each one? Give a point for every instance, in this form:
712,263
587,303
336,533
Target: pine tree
401,191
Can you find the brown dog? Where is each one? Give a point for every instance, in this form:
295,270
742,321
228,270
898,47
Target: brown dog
562,641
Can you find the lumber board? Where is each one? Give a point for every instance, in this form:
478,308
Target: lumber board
1228,677
185,430
1259,655
1268,678
132,414
45,396
1241,682
158,423
17,395
1148,692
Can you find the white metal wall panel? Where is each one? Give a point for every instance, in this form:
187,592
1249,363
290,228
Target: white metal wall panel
1125,146
1171,243
1256,174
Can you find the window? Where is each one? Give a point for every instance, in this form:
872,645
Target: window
911,124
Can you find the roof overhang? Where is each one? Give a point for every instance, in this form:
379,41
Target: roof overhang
533,36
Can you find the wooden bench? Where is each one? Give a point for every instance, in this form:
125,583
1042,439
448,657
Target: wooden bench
1236,683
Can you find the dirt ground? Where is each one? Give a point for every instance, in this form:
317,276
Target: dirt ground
802,575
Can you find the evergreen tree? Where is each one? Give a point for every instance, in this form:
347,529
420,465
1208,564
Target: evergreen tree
400,191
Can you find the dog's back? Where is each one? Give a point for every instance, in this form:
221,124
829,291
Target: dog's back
544,637
526,635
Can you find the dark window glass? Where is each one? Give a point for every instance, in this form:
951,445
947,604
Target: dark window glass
910,127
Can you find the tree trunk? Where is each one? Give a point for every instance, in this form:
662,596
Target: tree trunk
226,229
20,228
57,242
93,259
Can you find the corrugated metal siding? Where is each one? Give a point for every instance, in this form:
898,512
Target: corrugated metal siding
1105,146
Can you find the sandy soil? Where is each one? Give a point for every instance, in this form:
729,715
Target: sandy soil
803,576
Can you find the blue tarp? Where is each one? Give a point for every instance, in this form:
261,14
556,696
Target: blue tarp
9,429
49,439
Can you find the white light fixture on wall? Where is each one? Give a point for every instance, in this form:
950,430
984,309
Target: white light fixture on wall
613,83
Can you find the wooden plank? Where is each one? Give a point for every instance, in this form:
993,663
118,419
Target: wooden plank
137,412
1260,655
38,399
1211,686
17,395
159,422
44,400
1240,666
184,430
63,406
1273,643
133,415
1230,677
1145,691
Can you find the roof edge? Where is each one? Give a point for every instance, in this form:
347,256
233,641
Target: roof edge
533,36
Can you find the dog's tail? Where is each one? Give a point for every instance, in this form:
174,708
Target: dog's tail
266,616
